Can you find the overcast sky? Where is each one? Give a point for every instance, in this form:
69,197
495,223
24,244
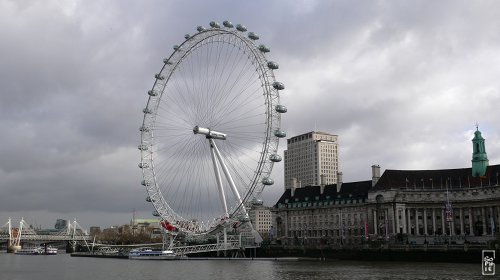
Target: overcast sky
401,82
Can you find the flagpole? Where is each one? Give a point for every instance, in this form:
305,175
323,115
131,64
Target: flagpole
449,215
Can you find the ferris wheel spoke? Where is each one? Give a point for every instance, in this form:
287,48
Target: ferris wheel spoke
233,106
229,90
215,81
257,110
223,77
226,88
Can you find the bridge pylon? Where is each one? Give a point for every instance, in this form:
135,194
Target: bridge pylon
14,241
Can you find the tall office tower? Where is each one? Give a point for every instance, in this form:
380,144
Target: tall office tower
311,159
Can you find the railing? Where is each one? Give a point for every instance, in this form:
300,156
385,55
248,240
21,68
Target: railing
183,250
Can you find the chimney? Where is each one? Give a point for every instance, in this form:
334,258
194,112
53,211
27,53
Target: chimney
339,181
322,185
294,186
375,174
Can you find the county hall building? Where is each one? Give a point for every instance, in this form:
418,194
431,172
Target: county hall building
415,206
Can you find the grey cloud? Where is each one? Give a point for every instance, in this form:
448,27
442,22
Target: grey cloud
401,83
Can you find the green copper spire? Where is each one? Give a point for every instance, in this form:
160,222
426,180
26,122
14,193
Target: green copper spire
479,157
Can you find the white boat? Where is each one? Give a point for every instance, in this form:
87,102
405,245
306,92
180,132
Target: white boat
51,251
37,251
30,251
150,254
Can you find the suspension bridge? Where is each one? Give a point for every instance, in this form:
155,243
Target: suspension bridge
72,234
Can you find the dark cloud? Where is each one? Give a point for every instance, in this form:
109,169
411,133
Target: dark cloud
402,84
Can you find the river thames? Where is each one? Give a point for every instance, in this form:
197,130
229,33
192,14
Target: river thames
63,266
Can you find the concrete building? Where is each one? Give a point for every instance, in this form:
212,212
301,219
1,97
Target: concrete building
61,223
311,159
261,219
145,225
95,230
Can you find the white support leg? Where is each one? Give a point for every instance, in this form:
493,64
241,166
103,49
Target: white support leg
218,178
228,175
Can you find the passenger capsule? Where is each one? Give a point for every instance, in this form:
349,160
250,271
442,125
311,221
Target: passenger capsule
214,24
227,24
144,128
148,199
142,147
177,47
187,36
279,133
147,111
241,28
267,181
278,86
156,214
263,48
143,165
244,218
200,28
159,76
273,65
253,36
145,183
152,92
166,61
275,158
281,108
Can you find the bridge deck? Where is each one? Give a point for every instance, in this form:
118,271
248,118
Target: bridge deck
48,238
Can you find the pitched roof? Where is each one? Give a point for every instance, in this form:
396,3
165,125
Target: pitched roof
437,179
347,190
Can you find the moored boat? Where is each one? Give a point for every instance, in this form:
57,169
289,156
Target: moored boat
51,251
29,251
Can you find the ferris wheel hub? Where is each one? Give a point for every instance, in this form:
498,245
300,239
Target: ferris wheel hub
209,133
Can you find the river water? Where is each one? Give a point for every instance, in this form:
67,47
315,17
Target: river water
63,266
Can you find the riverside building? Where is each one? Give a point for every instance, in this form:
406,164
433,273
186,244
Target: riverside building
445,206
311,158
261,219
328,214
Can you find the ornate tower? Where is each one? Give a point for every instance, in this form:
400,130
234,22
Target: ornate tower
479,157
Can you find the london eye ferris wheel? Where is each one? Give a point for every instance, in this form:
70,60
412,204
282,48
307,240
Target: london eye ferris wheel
211,128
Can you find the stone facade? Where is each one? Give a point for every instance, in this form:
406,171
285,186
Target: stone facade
418,212
401,207
322,214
